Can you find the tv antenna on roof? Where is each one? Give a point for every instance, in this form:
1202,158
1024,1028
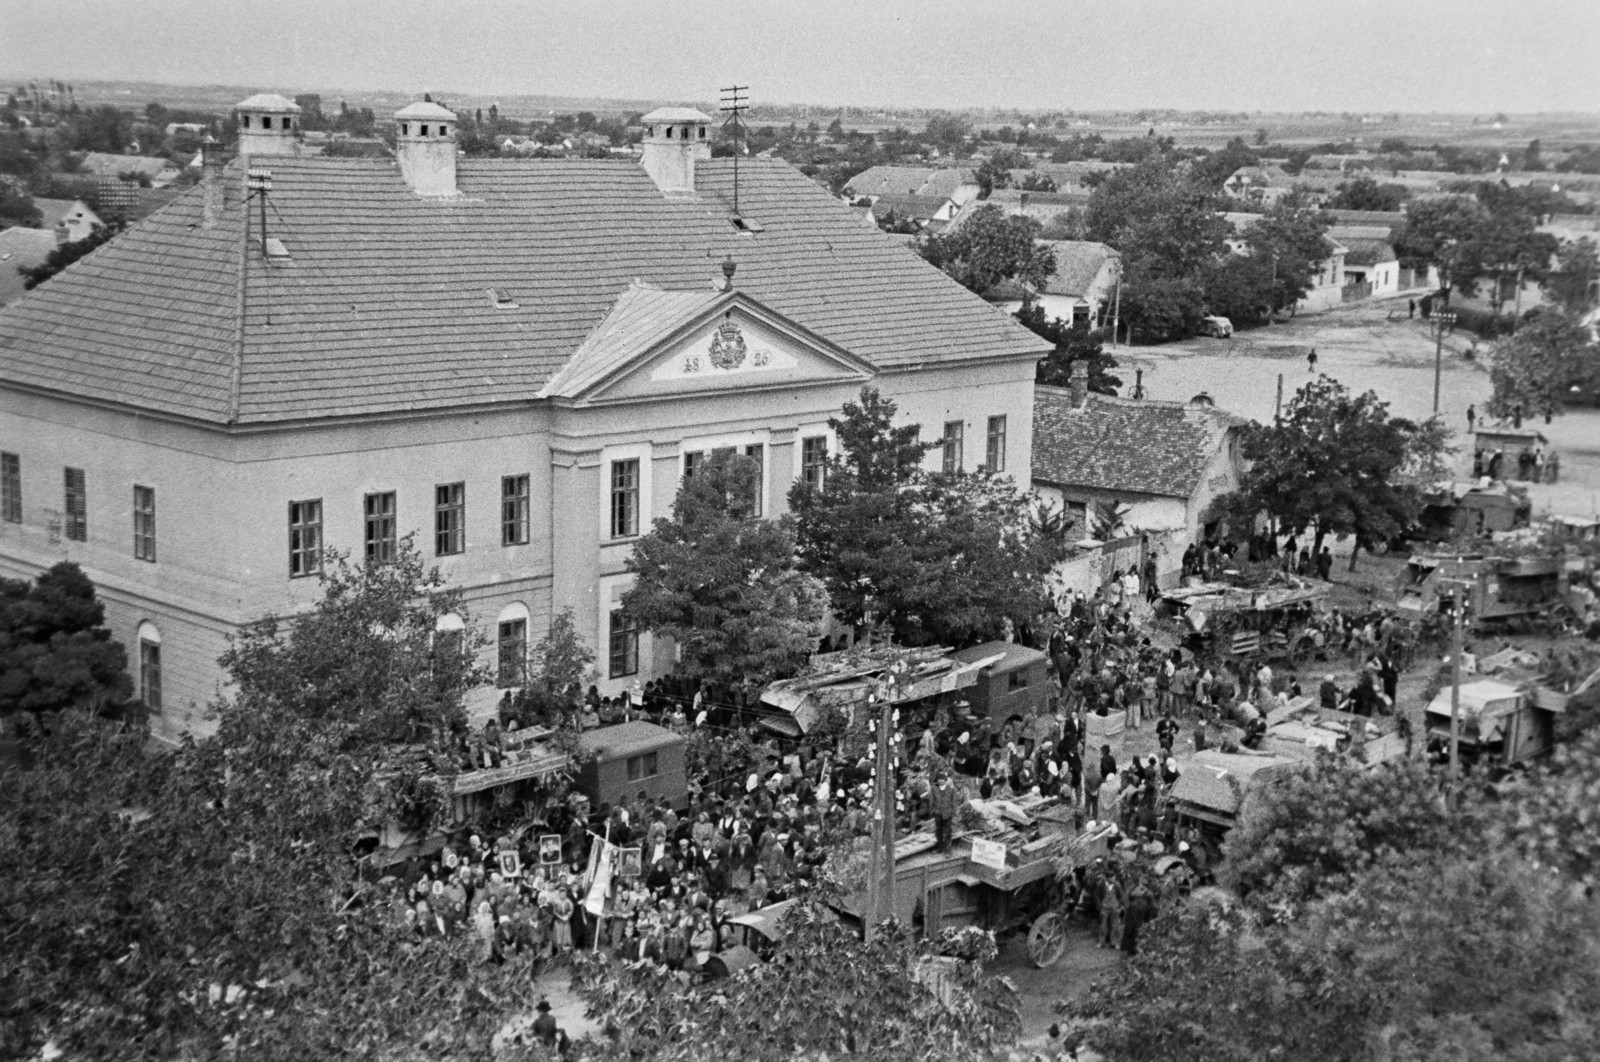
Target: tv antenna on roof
734,103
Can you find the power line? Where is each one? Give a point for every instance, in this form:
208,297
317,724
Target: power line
734,104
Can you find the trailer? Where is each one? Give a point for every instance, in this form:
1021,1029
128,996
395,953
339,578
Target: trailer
1499,590
1501,725
1245,624
619,761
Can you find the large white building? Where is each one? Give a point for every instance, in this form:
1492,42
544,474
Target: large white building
513,359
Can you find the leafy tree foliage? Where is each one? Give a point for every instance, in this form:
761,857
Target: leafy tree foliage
1215,168
55,651
723,584
561,660
1441,233
367,657
989,247
1169,233
1533,369
1365,193
1312,833
1571,284
824,993
205,902
1333,464
936,559
1073,342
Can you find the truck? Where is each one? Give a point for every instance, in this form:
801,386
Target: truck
1499,590
1502,724
617,762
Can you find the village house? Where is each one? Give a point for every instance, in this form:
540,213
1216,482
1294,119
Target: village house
70,219
1014,202
21,248
516,361
1159,464
1327,283
158,171
1081,288
925,196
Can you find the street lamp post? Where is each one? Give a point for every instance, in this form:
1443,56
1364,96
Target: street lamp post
1441,320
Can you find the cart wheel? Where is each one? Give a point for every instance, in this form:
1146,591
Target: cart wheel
1047,940
1299,652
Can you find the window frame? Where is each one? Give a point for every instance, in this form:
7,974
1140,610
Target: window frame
10,487
644,766
626,499
144,523
450,518
995,455
75,504
954,446
385,523
813,469
516,509
511,669
622,658
307,556
150,674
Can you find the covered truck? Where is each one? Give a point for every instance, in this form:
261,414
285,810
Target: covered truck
1501,724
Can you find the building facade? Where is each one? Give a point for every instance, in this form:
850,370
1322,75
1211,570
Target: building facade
515,361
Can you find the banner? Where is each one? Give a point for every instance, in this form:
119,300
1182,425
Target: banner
600,884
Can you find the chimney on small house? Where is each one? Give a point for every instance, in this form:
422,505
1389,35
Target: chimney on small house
1078,383
211,187
674,137
425,144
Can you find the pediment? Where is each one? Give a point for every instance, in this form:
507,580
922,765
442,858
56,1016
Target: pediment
663,344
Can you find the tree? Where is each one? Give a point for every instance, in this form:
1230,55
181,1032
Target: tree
205,902
1533,370
990,247
561,660
367,657
1365,193
1073,341
935,559
1333,464
723,584
1443,233
1215,168
55,650
823,993
948,132
1294,240
1310,834
1571,284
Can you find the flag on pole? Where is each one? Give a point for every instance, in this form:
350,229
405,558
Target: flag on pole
600,882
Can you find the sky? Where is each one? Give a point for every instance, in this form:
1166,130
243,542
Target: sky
1470,56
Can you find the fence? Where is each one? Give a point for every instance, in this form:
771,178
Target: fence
1356,292
1090,570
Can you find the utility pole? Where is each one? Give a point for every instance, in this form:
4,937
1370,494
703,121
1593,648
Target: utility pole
1439,321
881,863
1277,405
1458,608
1116,309
734,103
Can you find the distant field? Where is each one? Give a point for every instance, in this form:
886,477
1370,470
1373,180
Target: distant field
1554,130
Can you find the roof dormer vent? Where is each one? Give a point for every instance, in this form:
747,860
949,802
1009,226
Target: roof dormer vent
501,299
425,144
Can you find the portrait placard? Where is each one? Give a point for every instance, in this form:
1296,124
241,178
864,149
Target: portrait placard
549,849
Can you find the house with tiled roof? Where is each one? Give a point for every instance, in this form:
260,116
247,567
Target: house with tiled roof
957,184
69,219
158,171
1164,461
1016,202
1327,283
1078,290
1371,266
21,248
514,360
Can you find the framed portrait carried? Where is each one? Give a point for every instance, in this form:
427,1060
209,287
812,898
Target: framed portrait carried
510,863
630,862
549,849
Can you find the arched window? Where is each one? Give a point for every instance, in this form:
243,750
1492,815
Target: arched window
511,638
150,666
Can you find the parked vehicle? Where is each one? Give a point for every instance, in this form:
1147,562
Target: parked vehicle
630,758
1215,327
1502,725
1501,590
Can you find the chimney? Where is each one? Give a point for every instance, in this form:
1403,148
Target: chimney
1078,383
674,137
425,144
268,125
211,188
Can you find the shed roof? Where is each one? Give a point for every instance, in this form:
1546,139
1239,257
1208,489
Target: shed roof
625,739
1125,445
1078,263
1218,780
1359,252
1014,655
380,306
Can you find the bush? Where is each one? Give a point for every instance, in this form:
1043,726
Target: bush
1484,324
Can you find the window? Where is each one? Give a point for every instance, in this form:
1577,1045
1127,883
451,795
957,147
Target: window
692,462
150,666
643,766
625,498
996,460
11,488
624,645
813,460
757,453
144,524
305,538
1019,680
954,435
77,506
449,644
380,527
449,519
514,511
513,651
266,122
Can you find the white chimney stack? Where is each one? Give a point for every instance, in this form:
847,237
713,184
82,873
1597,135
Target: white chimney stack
425,143
674,137
268,125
